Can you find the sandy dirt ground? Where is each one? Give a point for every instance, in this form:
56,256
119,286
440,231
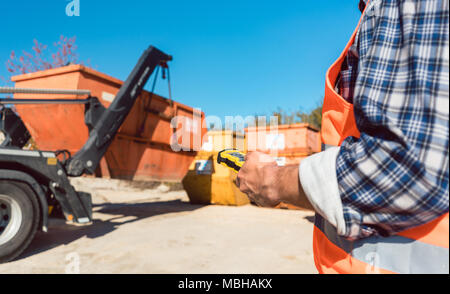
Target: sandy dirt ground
140,229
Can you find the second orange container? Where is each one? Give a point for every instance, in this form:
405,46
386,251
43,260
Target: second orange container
289,144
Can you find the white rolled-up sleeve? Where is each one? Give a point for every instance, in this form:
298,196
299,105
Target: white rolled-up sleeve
319,181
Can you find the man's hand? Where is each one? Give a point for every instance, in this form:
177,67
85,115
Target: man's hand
268,184
256,178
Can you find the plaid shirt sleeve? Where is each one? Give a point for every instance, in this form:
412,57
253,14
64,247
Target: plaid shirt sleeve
395,176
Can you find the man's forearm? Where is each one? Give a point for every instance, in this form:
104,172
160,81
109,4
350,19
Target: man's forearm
290,188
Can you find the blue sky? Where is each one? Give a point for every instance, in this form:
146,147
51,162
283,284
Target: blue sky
235,57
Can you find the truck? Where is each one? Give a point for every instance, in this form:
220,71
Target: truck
34,182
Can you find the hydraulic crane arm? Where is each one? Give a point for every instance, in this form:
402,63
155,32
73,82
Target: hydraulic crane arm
101,135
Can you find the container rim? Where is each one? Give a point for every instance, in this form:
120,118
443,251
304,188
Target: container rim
63,70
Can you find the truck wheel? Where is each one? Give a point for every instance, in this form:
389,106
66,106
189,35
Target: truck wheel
19,218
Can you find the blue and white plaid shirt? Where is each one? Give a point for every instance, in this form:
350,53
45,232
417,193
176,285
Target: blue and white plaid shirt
395,176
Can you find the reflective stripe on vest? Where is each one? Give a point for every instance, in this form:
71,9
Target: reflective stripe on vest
395,254
423,249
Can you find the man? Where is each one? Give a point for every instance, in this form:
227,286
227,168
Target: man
380,188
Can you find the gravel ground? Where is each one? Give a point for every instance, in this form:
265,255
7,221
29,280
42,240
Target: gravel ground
147,228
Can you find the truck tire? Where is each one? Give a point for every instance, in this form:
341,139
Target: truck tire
19,218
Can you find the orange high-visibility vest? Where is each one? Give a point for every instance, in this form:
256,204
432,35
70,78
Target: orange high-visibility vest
423,249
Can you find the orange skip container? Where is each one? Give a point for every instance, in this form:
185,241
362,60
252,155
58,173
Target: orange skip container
141,149
289,144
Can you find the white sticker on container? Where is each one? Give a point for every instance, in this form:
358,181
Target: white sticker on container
275,141
281,161
203,167
108,96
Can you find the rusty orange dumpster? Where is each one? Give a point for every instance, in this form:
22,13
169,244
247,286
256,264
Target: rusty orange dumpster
289,144
141,149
